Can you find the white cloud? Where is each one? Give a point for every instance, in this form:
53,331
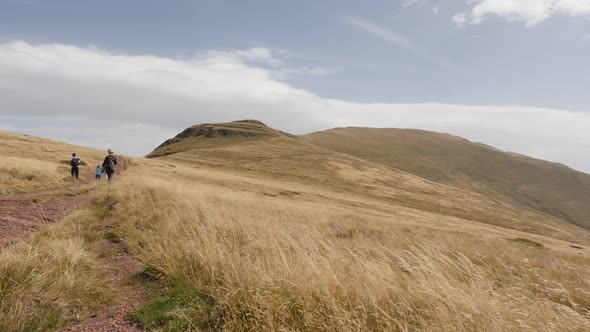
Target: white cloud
392,37
272,60
258,55
132,103
460,19
531,12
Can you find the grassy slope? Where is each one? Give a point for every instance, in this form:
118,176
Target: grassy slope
52,278
254,244
283,158
544,186
29,164
276,234
227,133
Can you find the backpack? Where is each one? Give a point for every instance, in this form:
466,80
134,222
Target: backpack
75,162
110,164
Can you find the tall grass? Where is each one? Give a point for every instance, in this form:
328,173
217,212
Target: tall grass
29,164
54,277
253,263
24,174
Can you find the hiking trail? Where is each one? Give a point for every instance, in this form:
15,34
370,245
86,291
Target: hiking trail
21,215
122,268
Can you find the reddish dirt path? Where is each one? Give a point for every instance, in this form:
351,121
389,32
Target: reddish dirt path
121,268
22,215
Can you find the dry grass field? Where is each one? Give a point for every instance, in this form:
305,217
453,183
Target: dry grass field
245,259
289,160
546,187
30,164
54,277
270,233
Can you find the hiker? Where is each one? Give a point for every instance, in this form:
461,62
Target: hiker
75,163
109,163
98,172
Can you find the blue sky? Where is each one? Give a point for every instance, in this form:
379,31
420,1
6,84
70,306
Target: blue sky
513,74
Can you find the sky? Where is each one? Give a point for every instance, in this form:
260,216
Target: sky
129,74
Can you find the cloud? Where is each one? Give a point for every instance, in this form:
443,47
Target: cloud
258,55
392,37
272,60
460,19
531,12
132,103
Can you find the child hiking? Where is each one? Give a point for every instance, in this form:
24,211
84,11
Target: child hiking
98,172
109,164
75,163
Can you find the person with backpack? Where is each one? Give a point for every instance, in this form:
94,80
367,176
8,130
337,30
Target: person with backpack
75,163
109,164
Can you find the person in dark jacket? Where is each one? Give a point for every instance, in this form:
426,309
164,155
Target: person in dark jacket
75,163
109,165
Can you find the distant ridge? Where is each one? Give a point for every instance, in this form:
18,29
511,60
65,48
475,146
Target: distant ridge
535,185
544,186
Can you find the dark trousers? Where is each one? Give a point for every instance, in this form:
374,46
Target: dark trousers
110,175
75,171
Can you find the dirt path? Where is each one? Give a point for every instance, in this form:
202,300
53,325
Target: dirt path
122,269
21,215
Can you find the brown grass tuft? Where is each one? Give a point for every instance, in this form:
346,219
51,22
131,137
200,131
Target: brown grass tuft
52,278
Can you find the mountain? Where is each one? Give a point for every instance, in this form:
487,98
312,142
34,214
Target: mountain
199,135
252,148
546,187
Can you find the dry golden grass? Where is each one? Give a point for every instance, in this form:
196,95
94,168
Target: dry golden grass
539,185
227,133
29,164
255,262
276,234
285,161
23,174
54,277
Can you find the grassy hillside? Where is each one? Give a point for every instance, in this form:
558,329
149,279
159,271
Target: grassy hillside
240,251
52,277
288,159
269,232
29,164
225,133
540,185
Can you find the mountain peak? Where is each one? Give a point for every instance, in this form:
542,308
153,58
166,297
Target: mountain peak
192,137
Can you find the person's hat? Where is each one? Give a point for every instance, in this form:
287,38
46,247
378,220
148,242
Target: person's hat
110,151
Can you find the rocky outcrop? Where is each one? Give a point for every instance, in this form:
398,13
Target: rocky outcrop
242,128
